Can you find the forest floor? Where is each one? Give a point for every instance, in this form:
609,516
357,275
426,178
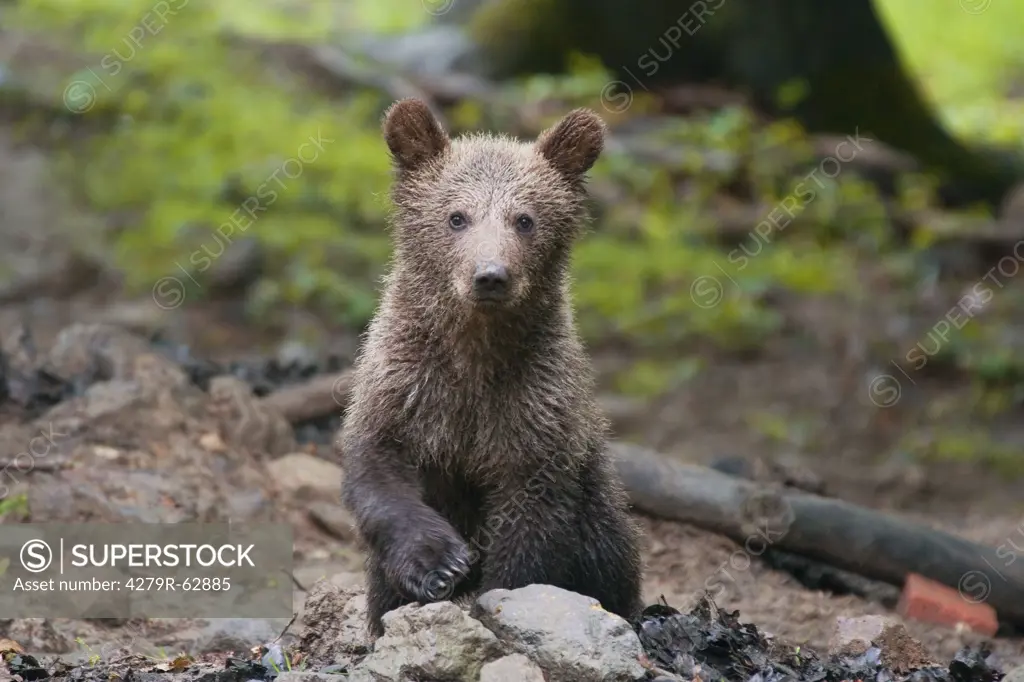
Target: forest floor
816,380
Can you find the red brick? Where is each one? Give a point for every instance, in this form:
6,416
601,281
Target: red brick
932,602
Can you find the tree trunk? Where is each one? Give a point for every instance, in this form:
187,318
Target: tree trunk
831,66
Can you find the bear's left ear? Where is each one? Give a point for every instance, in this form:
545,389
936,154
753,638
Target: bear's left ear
573,144
413,135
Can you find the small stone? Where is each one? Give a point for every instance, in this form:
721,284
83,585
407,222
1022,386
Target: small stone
296,354
104,452
899,651
237,635
514,668
138,317
296,676
854,636
334,519
211,442
337,573
299,474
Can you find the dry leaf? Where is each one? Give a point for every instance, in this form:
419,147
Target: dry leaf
8,645
181,662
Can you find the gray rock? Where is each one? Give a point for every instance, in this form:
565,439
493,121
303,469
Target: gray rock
569,635
221,635
514,668
334,623
110,398
139,317
254,426
339,573
297,676
80,348
334,519
433,642
237,634
353,637
1015,675
298,473
295,353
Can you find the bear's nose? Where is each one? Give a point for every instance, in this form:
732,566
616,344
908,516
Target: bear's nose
490,281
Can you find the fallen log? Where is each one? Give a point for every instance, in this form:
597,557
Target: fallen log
860,540
321,396
764,517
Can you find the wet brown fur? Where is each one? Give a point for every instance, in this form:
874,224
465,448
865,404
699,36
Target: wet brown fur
473,439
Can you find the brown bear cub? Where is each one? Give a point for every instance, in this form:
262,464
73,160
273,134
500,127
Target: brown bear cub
473,449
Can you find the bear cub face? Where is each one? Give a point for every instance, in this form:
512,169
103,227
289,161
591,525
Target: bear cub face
486,222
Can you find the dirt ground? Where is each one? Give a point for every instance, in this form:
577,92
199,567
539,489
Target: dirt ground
817,375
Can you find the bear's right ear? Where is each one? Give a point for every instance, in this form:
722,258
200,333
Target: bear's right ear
412,134
573,144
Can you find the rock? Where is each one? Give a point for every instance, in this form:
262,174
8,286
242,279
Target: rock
333,623
38,634
514,668
212,442
111,496
237,268
340,574
107,453
1015,675
334,519
301,474
109,398
255,428
82,348
352,637
293,676
434,642
569,635
221,635
237,634
296,354
899,651
248,504
139,317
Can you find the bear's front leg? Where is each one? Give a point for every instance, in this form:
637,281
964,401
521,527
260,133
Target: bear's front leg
414,553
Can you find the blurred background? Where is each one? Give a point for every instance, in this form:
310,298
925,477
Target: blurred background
809,220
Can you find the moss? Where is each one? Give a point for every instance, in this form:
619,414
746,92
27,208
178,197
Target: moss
965,446
207,131
651,377
14,507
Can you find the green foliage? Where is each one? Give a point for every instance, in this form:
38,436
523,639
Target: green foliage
213,145
965,446
968,63
206,128
14,506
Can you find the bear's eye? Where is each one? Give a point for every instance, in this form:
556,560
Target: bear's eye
524,224
457,220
